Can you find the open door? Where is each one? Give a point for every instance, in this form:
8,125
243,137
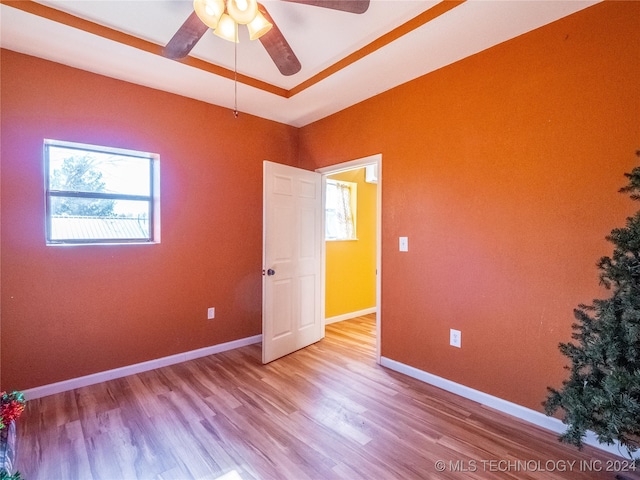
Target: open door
292,260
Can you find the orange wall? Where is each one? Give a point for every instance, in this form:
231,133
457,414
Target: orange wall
351,264
72,311
503,171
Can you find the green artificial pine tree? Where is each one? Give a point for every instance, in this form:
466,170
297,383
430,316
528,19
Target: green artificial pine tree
602,393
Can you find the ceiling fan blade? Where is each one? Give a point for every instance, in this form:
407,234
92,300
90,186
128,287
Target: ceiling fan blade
278,48
185,38
351,6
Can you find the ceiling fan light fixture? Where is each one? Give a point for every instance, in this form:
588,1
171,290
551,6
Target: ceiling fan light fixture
258,26
227,28
209,11
242,11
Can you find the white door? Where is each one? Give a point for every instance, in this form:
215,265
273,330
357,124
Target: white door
292,260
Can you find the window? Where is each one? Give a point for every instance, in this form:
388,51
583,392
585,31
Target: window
340,210
100,195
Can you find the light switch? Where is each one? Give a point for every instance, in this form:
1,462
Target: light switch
404,244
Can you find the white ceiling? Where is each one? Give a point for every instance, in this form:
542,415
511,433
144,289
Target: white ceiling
320,37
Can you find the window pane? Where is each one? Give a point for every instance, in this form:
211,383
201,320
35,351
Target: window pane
101,194
340,210
75,170
96,219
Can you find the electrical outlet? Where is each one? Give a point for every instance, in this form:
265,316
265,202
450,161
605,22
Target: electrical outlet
404,244
211,313
455,338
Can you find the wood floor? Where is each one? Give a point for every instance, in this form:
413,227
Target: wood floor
325,412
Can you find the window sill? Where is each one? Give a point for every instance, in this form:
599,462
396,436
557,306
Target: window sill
98,244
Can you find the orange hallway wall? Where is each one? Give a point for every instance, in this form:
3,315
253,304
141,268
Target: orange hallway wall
73,311
503,171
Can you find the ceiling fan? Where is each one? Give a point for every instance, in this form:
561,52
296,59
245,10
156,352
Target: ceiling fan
223,17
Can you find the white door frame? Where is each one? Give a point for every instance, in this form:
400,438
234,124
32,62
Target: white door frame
341,167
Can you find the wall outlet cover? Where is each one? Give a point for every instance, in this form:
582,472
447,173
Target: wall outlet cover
455,338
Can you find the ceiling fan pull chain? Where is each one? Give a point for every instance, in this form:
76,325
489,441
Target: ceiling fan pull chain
235,80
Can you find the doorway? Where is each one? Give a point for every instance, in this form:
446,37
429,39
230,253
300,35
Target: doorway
373,167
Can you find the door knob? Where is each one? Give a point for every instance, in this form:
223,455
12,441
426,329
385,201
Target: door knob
271,271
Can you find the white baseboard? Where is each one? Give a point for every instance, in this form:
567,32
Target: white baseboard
504,406
350,315
59,387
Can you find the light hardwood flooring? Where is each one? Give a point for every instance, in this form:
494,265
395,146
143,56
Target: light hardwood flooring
325,412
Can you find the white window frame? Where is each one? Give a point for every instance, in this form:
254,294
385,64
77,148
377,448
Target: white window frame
152,198
353,204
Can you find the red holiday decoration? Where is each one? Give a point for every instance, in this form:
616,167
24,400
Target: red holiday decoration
11,407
